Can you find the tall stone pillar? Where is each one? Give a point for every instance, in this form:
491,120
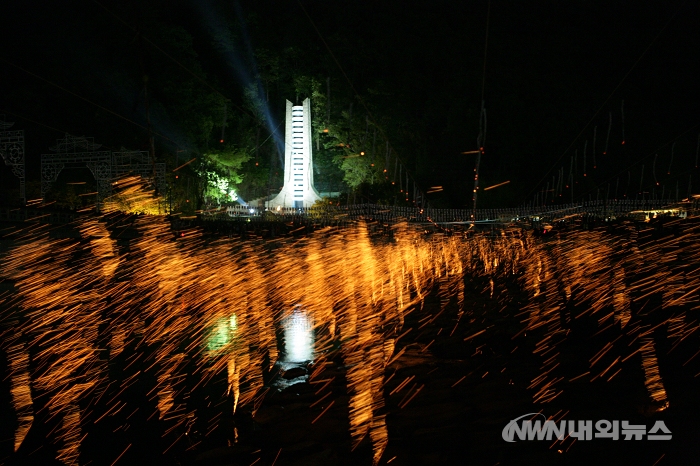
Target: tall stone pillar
298,190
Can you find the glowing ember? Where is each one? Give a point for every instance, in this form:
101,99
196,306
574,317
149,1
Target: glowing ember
181,313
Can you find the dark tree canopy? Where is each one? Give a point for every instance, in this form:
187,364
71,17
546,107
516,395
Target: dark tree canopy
396,90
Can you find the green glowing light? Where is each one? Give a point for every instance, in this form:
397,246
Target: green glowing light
222,333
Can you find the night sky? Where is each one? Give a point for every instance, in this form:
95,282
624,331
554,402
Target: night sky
553,72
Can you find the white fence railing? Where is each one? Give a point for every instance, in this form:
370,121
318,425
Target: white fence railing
392,213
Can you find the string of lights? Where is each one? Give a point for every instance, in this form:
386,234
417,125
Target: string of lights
605,102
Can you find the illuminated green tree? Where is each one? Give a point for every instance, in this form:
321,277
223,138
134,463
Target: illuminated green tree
221,173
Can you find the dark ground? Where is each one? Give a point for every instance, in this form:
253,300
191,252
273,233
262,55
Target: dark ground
472,389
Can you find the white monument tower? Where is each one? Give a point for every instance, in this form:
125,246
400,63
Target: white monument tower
298,190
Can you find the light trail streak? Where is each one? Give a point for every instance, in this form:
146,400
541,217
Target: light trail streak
92,316
497,185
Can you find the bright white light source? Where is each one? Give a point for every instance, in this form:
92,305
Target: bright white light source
252,211
298,336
